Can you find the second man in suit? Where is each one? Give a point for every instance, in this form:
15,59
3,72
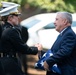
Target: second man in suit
63,49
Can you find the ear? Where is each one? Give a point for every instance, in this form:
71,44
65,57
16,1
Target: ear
65,21
10,18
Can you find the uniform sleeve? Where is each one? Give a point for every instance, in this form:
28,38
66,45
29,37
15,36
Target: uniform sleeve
18,44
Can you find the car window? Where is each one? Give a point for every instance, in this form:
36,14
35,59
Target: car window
49,26
32,23
74,24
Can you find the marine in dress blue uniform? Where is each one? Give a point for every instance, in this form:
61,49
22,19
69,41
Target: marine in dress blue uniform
12,42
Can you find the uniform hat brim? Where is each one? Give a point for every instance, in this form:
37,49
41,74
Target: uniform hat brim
13,9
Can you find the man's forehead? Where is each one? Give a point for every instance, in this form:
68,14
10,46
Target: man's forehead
59,15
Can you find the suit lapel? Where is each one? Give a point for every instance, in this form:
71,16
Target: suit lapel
58,41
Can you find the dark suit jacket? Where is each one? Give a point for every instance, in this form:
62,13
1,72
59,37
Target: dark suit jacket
64,53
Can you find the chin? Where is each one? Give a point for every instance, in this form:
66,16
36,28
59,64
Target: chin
56,29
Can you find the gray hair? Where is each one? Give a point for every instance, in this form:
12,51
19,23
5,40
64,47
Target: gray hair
67,16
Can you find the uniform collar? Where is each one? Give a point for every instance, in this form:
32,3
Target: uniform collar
8,24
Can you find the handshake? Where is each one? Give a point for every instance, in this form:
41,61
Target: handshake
39,46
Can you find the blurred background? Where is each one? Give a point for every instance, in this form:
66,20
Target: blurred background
38,17
32,7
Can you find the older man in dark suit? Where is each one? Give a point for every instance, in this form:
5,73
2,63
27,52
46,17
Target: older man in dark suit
64,51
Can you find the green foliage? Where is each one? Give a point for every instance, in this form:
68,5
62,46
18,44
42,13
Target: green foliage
54,5
49,5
